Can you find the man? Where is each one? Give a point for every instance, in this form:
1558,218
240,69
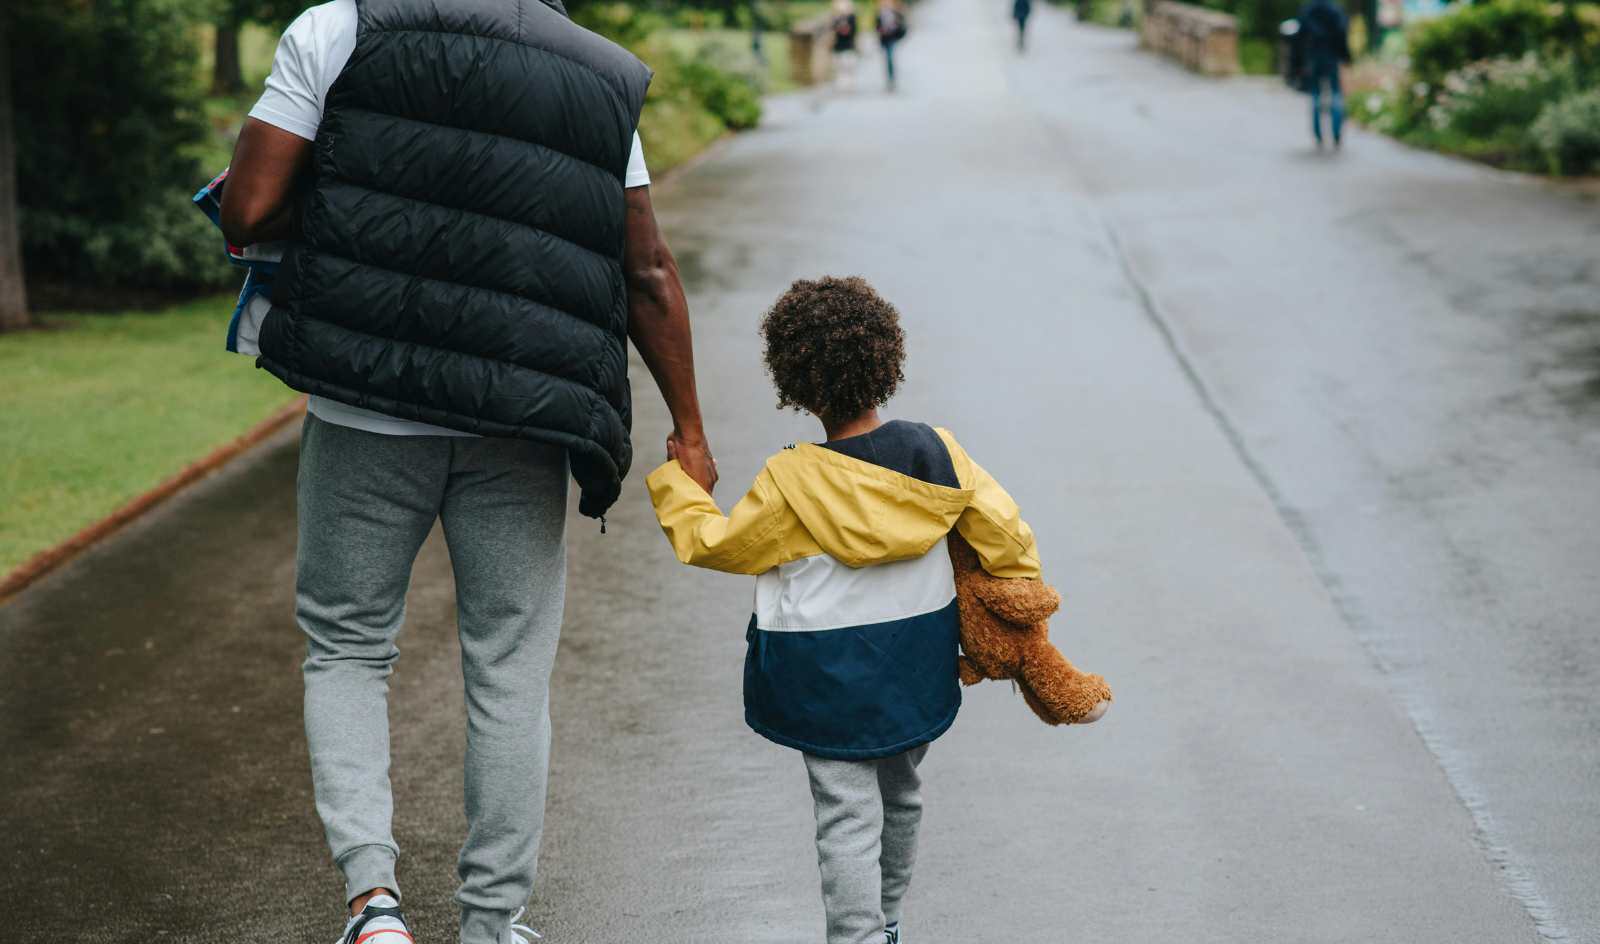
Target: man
1324,44
471,245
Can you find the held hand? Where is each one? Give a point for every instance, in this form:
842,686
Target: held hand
695,457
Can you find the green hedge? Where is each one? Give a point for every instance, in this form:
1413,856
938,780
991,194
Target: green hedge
693,97
106,141
1500,29
1568,134
1508,82
1258,18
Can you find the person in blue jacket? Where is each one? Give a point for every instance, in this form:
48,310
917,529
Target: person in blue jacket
1020,11
1324,43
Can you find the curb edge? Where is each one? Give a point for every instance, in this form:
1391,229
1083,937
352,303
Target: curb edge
51,558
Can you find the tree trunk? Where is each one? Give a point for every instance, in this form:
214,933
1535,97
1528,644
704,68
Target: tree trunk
227,78
13,291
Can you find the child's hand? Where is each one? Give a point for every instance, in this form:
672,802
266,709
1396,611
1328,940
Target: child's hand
695,457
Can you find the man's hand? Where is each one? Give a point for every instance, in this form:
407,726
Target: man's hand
695,457
658,323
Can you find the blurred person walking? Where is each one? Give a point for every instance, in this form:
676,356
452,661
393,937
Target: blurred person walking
1323,43
1020,11
845,29
463,337
891,25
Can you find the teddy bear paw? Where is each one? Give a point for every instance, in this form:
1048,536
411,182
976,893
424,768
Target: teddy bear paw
1096,713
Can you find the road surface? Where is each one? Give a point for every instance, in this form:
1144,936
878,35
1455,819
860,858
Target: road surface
1310,445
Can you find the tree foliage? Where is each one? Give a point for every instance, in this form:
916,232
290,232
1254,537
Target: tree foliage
108,117
1257,18
274,13
229,16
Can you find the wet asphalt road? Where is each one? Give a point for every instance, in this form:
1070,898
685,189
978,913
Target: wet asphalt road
1310,444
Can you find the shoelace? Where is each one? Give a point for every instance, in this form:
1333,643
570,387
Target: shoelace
354,918
518,930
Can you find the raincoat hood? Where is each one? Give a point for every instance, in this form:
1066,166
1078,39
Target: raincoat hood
860,513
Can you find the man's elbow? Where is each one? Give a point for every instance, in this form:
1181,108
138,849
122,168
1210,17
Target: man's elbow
244,221
238,227
656,280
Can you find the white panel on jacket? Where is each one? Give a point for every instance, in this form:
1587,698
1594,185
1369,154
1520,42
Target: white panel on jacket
816,593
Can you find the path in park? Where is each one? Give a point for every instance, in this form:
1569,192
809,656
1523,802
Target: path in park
1310,444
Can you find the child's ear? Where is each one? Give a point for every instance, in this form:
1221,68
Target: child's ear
1019,601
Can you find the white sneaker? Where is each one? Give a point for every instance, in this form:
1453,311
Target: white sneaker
380,922
517,933
891,934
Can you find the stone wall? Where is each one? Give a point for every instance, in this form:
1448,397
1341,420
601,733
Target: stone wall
1204,40
811,50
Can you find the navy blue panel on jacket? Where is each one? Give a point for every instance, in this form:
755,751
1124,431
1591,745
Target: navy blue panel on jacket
855,663
461,253
859,692
913,449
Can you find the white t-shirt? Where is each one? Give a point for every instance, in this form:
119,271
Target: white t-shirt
311,54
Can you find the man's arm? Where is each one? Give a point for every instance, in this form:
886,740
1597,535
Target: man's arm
658,324
258,203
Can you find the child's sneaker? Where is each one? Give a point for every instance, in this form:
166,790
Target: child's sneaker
380,922
891,934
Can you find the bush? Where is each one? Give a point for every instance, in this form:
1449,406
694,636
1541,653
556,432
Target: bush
108,120
169,247
1484,98
622,23
733,98
689,83
699,18
1483,110
1257,18
1499,29
1568,133
1257,56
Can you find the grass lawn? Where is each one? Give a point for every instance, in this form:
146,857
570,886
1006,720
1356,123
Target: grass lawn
98,408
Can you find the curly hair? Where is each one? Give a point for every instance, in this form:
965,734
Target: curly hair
834,347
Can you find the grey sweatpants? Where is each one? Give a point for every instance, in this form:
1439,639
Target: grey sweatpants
366,503
868,812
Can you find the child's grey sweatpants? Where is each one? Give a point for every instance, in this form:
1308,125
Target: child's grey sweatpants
868,812
366,502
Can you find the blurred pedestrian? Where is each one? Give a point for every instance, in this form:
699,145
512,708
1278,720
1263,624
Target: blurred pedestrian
891,24
1324,43
758,25
1020,11
459,386
845,28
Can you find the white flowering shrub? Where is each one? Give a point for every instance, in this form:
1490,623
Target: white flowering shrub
1568,133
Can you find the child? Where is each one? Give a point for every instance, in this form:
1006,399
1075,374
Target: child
853,642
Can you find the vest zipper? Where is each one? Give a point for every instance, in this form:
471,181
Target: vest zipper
602,524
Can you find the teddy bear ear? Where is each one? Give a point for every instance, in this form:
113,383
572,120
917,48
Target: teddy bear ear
1021,602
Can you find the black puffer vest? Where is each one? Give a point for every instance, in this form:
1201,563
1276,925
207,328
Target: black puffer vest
461,257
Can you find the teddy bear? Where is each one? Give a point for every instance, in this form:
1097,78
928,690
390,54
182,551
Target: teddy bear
1005,635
